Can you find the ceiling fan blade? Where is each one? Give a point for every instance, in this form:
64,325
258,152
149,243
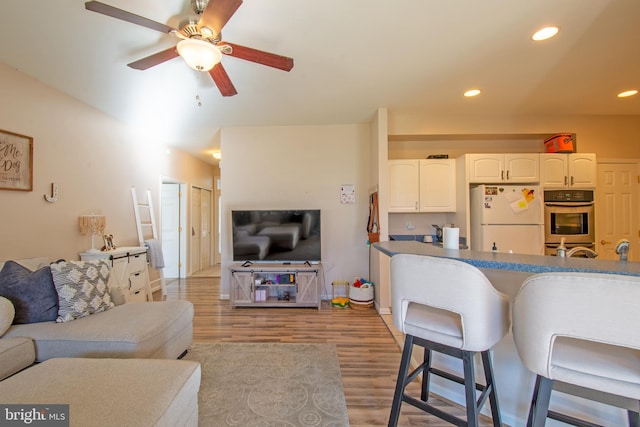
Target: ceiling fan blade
155,59
217,13
265,58
105,9
222,80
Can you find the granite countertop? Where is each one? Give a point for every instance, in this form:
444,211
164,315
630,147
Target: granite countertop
514,262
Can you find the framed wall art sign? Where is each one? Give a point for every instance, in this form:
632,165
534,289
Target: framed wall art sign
16,161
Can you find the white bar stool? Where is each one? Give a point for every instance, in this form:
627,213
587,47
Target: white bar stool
449,307
582,330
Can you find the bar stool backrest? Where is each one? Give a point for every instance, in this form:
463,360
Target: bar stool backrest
595,308
454,286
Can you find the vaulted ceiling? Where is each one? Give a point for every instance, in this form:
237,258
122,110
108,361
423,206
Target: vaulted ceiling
350,56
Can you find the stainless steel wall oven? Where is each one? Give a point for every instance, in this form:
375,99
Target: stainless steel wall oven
568,214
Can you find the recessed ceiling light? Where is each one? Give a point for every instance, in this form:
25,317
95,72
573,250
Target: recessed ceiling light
627,93
544,33
472,92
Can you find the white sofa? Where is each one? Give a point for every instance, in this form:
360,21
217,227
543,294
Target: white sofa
134,330
158,330
115,367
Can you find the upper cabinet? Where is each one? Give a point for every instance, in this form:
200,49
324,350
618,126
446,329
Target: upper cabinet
574,170
437,185
426,185
511,168
404,185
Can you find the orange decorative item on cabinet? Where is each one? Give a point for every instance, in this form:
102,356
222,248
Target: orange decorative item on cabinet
560,143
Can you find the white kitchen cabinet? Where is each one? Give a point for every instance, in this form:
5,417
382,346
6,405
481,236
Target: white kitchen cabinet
437,185
404,185
511,168
573,170
422,185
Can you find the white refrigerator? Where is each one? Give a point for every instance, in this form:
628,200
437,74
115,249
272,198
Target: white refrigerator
511,216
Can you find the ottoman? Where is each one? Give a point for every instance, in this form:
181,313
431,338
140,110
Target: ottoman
111,392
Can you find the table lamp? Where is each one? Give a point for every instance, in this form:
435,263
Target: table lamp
94,224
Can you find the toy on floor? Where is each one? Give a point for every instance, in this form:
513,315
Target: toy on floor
340,301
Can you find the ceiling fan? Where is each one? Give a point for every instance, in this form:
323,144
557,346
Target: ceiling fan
200,42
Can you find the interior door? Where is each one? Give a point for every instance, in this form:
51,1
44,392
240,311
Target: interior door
217,194
170,222
195,229
205,228
617,209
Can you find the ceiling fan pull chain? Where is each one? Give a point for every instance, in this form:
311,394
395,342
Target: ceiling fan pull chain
198,84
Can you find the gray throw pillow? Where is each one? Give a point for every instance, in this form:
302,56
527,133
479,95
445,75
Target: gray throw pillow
32,293
82,288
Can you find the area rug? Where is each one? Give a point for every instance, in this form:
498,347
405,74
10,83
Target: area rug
269,384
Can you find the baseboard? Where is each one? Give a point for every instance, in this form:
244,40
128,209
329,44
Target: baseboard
382,310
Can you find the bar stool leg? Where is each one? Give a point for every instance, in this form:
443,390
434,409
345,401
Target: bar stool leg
400,382
493,395
540,402
424,395
470,388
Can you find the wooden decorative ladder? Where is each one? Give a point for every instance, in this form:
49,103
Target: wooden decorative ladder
146,226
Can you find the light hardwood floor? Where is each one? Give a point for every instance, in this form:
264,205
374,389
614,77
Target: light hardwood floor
369,355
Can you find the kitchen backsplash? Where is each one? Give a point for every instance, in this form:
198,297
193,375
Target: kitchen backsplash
417,223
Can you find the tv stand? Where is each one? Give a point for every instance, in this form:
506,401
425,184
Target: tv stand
273,285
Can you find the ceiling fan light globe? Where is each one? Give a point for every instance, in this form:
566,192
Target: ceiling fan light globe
198,54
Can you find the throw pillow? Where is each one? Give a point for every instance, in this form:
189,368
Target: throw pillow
82,288
32,293
6,315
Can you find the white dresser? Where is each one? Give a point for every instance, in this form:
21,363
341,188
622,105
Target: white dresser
129,265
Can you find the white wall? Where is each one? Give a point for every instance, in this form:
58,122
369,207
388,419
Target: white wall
301,167
93,158
379,263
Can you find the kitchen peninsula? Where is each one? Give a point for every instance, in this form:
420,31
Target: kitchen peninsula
514,382
528,264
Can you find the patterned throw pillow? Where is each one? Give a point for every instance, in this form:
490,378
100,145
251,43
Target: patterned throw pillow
82,288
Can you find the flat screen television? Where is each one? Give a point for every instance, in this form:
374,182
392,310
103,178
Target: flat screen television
285,236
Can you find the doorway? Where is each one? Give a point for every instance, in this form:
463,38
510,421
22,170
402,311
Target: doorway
617,208
173,224
217,214
201,221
